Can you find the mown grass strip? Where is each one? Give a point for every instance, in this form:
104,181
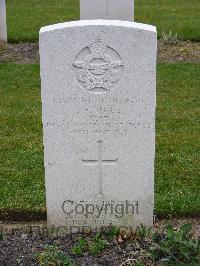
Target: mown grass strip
26,17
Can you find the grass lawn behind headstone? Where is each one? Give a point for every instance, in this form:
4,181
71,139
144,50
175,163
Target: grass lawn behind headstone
26,17
178,144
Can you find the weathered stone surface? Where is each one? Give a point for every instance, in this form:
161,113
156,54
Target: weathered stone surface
3,28
99,98
107,9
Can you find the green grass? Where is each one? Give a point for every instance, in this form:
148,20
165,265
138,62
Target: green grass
179,16
25,17
178,144
21,171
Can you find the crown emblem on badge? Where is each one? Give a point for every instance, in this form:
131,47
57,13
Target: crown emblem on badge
98,67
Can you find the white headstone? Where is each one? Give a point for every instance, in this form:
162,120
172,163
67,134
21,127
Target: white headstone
107,9
99,98
3,28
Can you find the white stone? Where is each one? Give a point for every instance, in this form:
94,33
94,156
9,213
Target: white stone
99,99
107,9
3,28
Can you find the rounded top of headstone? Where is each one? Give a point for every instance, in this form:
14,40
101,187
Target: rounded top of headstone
99,22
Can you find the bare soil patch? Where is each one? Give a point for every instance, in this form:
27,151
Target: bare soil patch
21,53
182,51
22,240
188,52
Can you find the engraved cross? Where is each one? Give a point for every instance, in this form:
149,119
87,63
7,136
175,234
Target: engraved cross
100,162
